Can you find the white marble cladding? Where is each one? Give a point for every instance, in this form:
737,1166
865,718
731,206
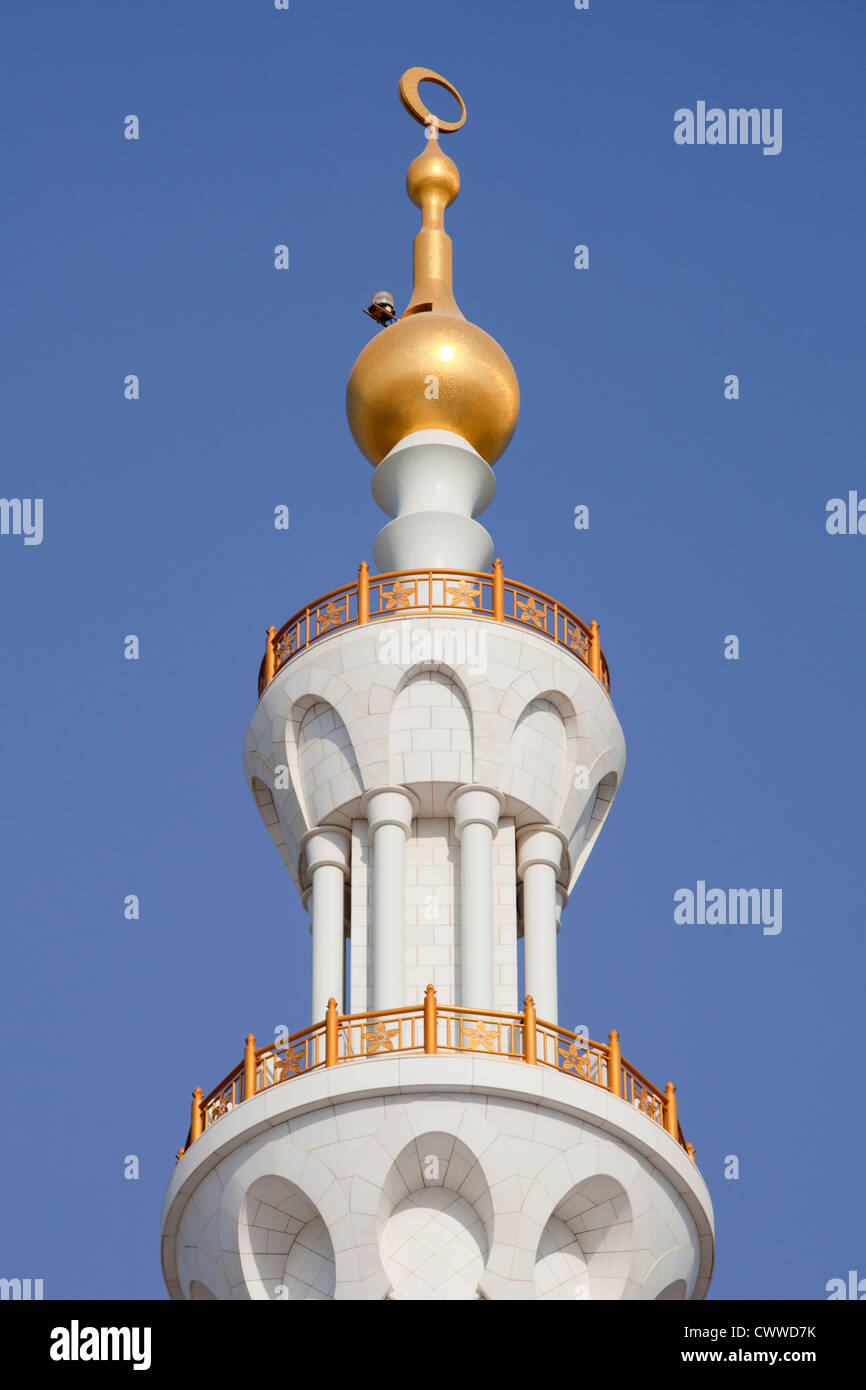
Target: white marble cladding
433,919
434,1178
356,711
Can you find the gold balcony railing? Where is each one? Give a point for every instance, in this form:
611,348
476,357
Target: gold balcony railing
456,592
434,1028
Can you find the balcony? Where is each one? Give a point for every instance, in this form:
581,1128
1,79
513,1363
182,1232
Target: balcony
430,1028
464,593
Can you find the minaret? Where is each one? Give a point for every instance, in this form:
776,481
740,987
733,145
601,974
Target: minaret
434,753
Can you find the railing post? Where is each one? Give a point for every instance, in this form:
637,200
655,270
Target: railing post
332,1028
690,1150
430,1013
363,593
671,1111
195,1126
498,592
250,1066
270,656
594,650
614,1064
530,1045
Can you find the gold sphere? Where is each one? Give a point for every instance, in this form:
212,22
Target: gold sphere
432,371
433,177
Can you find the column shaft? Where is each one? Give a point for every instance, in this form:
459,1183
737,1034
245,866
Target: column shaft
327,850
476,915
328,938
389,917
539,938
476,812
389,812
539,857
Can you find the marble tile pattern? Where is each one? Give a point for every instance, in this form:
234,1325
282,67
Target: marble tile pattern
437,1178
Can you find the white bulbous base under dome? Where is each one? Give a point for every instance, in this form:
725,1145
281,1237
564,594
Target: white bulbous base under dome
433,483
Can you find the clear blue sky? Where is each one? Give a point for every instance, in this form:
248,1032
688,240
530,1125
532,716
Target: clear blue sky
707,517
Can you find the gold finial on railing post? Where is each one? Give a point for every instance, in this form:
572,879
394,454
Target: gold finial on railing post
250,1066
332,1029
594,650
671,1111
363,593
195,1126
270,656
690,1150
498,591
530,1045
614,1064
430,1013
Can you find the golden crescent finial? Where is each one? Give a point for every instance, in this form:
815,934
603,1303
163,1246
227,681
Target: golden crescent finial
408,89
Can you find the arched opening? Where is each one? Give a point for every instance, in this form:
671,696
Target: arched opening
585,1248
287,1243
434,1241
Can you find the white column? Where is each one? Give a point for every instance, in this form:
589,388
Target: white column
476,812
539,855
328,857
389,812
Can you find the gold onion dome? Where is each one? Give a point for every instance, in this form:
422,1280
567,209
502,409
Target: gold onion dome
432,369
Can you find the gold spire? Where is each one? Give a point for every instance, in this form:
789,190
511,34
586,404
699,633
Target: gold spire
432,369
432,182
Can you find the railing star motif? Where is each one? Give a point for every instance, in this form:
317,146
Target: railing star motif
288,1064
479,1036
330,617
379,1039
530,613
574,1060
463,594
399,597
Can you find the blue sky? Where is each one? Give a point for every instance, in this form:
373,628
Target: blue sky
707,518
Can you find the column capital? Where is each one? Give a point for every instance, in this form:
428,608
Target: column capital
539,844
475,804
390,806
328,844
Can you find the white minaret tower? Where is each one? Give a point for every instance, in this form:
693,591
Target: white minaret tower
434,753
